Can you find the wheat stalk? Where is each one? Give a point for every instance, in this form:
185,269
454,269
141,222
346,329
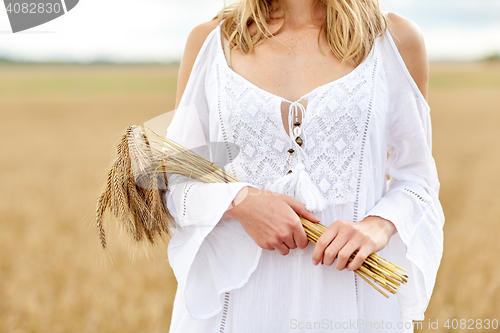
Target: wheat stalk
137,182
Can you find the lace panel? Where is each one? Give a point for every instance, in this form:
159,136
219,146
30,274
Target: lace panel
335,132
246,115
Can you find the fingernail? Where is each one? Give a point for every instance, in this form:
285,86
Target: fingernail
315,262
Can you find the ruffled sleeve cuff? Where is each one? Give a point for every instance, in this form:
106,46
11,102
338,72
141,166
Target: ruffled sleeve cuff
208,256
418,244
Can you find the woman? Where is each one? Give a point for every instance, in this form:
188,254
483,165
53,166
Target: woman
314,94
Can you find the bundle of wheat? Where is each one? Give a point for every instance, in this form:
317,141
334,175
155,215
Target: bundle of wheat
138,180
134,190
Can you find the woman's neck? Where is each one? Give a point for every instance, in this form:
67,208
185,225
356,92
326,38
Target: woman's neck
303,13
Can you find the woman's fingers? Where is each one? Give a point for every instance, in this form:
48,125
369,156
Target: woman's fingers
338,243
333,250
342,239
298,233
359,259
323,242
301,238
345,253
287,239
282,249
300,209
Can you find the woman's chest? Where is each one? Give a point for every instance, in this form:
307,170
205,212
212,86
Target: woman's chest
289,69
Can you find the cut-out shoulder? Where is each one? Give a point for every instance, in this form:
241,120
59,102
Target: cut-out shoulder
193,45
410,43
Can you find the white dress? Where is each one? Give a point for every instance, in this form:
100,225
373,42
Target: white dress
226,283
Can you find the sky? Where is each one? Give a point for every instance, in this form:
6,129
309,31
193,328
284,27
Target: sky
156,30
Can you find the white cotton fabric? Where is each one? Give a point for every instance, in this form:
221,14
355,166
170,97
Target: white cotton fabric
226,282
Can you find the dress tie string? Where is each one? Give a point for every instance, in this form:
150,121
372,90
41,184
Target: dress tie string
297,182
293,113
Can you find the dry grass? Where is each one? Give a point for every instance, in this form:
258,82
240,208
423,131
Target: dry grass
59,127
56,149
466,114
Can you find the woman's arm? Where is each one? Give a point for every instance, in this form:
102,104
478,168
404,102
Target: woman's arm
410,43
193,46
373,233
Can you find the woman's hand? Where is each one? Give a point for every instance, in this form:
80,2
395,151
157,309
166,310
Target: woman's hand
343,238
271,219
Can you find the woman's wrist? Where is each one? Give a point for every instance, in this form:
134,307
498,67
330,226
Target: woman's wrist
240,196
387,226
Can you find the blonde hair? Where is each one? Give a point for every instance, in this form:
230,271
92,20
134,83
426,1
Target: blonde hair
350,26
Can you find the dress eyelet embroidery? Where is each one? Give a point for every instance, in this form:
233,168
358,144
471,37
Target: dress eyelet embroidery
224,133
363,143
186,193
224,313
422,199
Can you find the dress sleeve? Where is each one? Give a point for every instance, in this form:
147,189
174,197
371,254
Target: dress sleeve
208,256
411,200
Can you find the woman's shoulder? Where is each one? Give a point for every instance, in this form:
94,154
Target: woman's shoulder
199,34
409,41
194,43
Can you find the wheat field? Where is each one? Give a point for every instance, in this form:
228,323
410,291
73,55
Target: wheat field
59,126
